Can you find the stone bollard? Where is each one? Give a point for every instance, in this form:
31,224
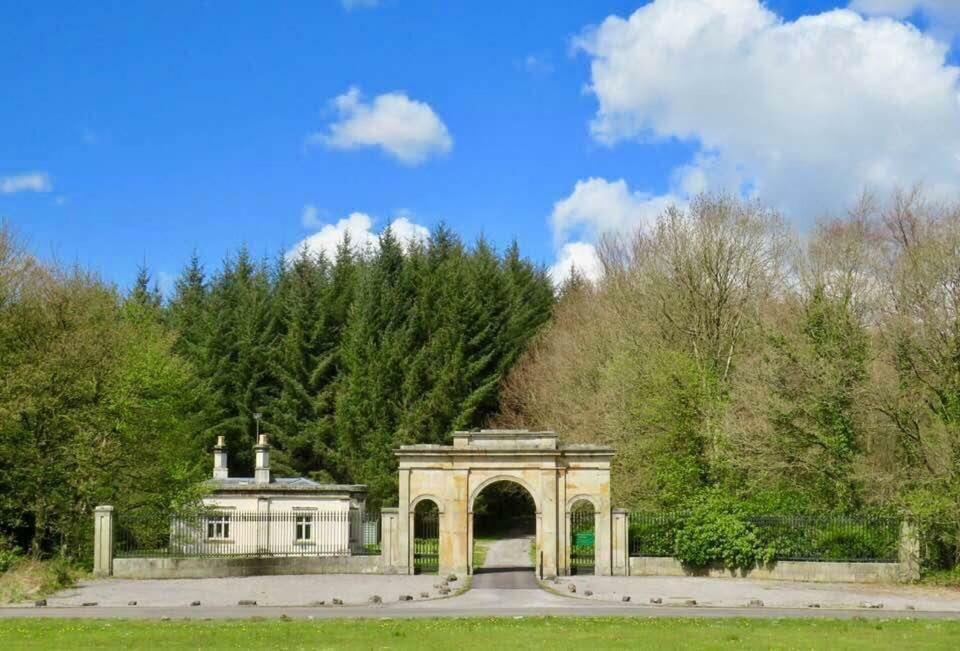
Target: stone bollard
103,541
909,551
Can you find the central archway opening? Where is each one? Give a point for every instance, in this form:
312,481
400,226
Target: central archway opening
504,529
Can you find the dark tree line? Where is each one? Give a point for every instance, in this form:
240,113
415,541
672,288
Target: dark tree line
116,397
347,358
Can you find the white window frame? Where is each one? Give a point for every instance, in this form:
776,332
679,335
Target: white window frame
218,526
303,524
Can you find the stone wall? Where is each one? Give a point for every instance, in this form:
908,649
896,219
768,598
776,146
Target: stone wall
207,568
816,571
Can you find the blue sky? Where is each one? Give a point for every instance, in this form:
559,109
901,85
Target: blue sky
136,132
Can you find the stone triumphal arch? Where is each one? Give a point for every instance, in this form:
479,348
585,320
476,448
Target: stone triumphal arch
557,477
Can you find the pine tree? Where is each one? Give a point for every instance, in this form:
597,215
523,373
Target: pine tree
373,355
188,311
304,358
238,355
142,294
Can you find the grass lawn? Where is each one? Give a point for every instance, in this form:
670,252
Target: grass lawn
482,633
29,579
480,547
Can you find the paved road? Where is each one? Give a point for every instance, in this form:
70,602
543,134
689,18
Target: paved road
454,608
507,566
507,588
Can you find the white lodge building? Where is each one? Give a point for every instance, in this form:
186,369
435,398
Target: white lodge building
264,515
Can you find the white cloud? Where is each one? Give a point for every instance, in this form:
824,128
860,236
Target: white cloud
349,5
310,217
29,182
406,129
581,256
406,231
594,208
359,226
942,15
804,114
537,64
597,206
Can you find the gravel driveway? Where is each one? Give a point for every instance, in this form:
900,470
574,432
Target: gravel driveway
737,592
297,590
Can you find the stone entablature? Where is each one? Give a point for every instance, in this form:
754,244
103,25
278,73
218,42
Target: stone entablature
556,477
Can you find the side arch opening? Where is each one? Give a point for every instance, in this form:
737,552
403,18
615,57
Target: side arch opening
582,526
426,537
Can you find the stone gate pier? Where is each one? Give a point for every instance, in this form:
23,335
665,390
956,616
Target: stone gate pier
556,477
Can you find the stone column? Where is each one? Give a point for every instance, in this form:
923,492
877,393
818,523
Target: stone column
404,525
389,543
563,525
103,541
602,531
453,523
549,527
909,551
621,542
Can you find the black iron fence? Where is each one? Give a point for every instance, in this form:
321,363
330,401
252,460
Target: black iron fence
791,537
426,542
228,532
582,542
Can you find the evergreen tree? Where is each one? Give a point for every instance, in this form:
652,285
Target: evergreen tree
373,356
189,311
303,359
142,293
237,355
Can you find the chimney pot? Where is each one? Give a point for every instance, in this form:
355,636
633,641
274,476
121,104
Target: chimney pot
220,459
261,473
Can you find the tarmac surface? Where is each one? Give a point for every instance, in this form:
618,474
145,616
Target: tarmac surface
507,567
505,587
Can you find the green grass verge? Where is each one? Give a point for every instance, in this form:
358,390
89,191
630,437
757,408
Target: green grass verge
28,579
483,633
480,547
943,578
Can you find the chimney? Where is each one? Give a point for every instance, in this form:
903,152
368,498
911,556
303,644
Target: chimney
220,459
261,473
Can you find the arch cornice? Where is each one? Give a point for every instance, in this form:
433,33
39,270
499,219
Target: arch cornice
504,477
586,497
424,497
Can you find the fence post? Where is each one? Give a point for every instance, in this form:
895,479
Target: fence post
103,541
621,542
909,552
389,547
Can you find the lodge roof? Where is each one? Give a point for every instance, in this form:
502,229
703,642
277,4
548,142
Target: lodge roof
281,484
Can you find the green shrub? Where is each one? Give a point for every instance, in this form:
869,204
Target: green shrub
716,530
843,543
9,555
653,535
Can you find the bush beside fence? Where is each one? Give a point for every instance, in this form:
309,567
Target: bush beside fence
774,537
